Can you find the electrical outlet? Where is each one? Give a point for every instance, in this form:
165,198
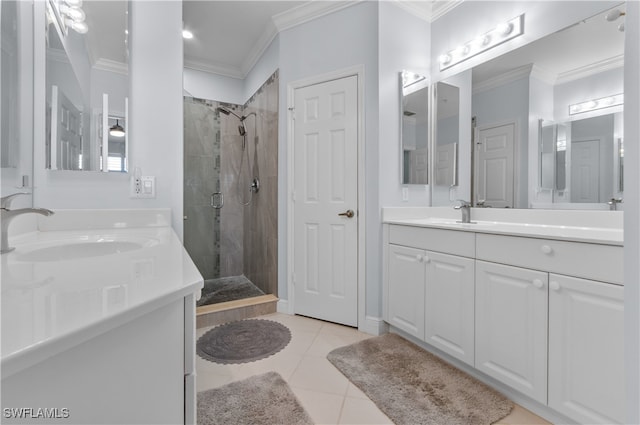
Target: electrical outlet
143,187
405,194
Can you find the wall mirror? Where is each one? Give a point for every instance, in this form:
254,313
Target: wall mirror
86,86
572,80
414,131
447,136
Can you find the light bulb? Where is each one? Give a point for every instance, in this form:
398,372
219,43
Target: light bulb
592,104
613,15
74,13
79,27
483,40
505,28
186,34
621,27
444,59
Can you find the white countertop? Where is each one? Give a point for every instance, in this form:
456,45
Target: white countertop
51,306
601,227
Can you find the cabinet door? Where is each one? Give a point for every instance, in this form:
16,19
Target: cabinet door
511,327
406,289
586,350
449,304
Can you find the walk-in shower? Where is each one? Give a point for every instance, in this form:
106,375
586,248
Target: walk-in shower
230,193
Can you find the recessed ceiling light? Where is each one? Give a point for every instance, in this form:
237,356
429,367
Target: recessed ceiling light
186,34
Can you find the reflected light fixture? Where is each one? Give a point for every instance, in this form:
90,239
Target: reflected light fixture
504,32
72,16
592,105
187,35
116,130
613,15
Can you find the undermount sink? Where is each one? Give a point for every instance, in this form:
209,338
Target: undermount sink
73,249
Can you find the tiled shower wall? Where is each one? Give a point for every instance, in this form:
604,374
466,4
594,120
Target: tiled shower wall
237,239
261,216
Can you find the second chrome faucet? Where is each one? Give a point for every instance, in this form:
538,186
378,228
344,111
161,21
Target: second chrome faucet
465,208
7,215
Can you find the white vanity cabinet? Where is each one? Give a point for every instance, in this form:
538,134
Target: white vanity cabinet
586,358
511,327
537,317
429,292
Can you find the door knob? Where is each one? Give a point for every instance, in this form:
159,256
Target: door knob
347,213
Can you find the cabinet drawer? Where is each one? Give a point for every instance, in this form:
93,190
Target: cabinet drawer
592,261
438,240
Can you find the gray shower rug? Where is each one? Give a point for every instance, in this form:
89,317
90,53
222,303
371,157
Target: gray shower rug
412,386
243,341
262,399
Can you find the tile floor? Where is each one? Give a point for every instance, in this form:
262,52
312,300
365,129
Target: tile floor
325,393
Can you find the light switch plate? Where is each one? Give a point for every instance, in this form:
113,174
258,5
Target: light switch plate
143,187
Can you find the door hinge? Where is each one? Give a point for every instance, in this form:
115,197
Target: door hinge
293,113
293,196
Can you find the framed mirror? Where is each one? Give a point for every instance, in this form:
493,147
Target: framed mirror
86,86
517,161
414,130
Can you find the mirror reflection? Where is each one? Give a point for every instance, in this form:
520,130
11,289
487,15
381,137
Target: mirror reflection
87,87
515,161
414,133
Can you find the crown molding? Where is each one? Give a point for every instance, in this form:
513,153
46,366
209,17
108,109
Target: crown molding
502,79
269,33
543,75
109,65
419,9
591,69
442,7
219,69
309,11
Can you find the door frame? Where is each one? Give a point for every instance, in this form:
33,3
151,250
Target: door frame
516,158
358,71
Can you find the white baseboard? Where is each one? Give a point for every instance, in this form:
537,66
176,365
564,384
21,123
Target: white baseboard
374,326
283,307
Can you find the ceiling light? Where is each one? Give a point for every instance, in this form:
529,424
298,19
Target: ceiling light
116,130
500,34
187,35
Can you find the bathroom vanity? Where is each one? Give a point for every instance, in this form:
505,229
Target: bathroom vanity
98,320
532,305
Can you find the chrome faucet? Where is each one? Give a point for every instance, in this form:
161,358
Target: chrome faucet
465,208
613,203
7,215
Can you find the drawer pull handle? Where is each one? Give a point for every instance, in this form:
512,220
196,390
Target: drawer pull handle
419,258
554,285
538,283
547,249
426,259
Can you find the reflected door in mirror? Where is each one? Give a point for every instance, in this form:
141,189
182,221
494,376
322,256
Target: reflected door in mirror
414,129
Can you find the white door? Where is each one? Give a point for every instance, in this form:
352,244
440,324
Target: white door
511,327
586,350
405,300
325,201
585,171
495,166
449,304
445,163
66,135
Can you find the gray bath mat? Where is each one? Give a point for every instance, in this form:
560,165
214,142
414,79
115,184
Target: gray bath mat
263,399
243,341
412,386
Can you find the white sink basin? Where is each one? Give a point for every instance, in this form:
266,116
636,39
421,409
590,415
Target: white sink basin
78,248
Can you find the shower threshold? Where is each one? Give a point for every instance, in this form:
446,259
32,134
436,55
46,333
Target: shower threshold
216,314
226,289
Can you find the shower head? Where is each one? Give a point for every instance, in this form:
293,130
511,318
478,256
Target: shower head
227,112
242,130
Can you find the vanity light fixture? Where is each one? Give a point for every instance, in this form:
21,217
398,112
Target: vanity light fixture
116,130
592,105
69,14
504,32
409,78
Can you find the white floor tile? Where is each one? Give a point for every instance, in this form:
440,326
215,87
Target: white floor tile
322,407
362,411
355,392
326,342
317,374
